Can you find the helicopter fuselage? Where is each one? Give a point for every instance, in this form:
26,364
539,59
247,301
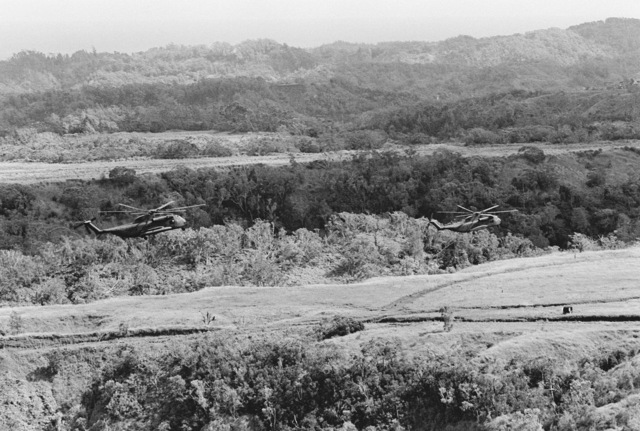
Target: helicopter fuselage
470,224
141,228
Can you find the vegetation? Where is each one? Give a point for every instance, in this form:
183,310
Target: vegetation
448,319
353,247
554,85
305,223
285,383
324,221
592,193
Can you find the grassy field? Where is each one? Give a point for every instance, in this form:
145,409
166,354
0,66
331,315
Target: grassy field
518,298
34,172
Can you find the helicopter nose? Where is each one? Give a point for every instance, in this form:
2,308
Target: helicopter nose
179,221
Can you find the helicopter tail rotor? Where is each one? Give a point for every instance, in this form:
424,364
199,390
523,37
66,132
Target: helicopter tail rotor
89,226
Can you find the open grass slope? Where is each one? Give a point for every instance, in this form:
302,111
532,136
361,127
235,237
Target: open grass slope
503,309
498,301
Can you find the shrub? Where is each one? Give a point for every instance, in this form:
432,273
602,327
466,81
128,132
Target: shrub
178,150
365,140
581,242
50,291
216,149
18,275
16,325
447,318
207,318
526,134
595,179
534,155
529,420
260,146
122,176
339,326
309,146
480,136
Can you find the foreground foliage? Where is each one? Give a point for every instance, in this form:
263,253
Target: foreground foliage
286,383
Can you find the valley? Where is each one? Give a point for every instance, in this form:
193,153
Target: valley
310,289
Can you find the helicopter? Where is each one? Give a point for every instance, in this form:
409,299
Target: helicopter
147,222
471,221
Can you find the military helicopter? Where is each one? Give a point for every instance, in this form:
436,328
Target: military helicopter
147,222
471,221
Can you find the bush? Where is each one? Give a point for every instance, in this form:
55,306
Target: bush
122,176
16,325
522,135
263,145
365,140
339,326
309,146
534,155
480,136
215,149
447,319
178,150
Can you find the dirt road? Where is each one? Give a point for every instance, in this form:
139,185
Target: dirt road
36,172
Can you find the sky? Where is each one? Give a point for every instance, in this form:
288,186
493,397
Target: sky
66,26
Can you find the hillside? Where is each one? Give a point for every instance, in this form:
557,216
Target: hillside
262,85
310,289
275,62
600,285
65,349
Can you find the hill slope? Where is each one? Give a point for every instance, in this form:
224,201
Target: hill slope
600,285
506,310
608,43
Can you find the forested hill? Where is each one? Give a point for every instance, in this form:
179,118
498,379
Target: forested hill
587,54
262,85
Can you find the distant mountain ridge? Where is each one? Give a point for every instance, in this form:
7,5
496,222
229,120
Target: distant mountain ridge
604,42
589,73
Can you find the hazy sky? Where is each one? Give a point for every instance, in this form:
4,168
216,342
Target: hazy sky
66,26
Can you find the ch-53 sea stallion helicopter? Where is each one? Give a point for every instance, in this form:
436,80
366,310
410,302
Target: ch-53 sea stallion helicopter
147,222
471,221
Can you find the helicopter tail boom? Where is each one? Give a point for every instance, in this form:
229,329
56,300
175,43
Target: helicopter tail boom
90,227
436,224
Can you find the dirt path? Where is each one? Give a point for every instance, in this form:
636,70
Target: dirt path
36,172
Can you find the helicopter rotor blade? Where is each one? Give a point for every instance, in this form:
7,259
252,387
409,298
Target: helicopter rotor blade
130,207
180,210
147,215
489,209
121,212
161,207
184,208
466,209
